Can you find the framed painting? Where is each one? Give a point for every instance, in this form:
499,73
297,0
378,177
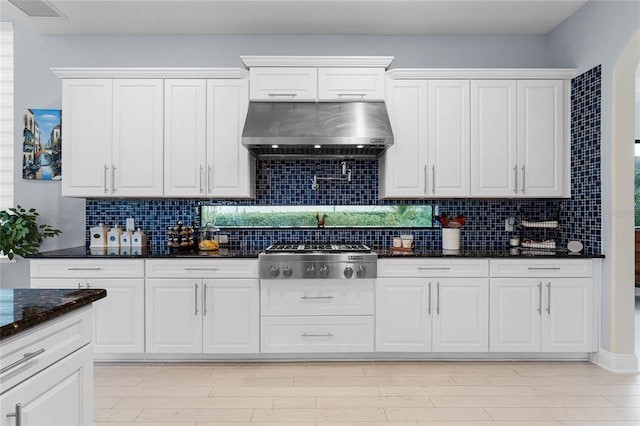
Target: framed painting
42,144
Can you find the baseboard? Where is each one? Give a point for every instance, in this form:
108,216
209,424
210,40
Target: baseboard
616,363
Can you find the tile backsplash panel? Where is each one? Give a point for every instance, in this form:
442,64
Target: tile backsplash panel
288,182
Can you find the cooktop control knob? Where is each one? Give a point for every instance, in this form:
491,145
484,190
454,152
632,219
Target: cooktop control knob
311,270
274,271
324,271
287,271
348,272
361,271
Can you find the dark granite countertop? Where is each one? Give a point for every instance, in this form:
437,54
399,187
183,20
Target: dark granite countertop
24,308
231,253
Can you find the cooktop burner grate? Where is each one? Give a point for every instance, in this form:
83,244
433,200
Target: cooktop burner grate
317,247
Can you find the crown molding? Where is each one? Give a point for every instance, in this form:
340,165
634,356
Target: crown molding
150,73
481,73
318,61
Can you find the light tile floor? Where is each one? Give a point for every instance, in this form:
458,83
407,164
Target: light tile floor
365,394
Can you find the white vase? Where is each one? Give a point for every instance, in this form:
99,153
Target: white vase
451,238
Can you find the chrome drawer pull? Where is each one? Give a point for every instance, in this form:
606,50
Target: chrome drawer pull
84,269
434,268
544,269
17,414
359,95
316,297
26,357
200,269
289,95
316,335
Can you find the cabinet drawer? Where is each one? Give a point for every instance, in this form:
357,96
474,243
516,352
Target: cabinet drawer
351,84
316,297
541,268
85,268
317,334
202,268
52,341
283,84
434,267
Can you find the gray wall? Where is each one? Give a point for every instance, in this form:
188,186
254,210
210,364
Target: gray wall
596,35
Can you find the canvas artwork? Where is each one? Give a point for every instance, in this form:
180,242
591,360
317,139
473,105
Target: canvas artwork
42,144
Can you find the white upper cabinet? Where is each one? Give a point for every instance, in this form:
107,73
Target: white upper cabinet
448,140
230,168
493,138
113,142
351,84
540,138
286,84
87,106
403,168
185,140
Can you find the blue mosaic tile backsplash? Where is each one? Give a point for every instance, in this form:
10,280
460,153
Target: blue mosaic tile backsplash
288,182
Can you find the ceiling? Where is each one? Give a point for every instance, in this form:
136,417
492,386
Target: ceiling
281,17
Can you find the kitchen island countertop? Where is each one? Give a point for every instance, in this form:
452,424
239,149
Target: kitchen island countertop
24,308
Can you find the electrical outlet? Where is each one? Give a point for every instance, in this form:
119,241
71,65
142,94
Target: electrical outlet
223,239
508,223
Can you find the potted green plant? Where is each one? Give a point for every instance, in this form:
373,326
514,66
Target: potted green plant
20,234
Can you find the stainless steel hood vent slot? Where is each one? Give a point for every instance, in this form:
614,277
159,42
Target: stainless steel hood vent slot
327,129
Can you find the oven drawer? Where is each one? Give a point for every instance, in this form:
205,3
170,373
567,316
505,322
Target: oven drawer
317,297
317,334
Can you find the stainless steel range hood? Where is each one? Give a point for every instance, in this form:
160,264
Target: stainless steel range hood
324,129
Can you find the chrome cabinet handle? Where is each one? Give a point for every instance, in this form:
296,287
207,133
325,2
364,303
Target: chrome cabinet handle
288,95
429,305
106,169
316,297
426,184
209,179
535,268
17,414
540,298
515,183
433,179
97,268
201,178
523,179
359,95
434,268
196,297
200,269
79,285
316,335
549,298
113,178
25,358
204,300
438,298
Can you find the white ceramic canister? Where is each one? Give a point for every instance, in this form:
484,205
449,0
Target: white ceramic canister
451,238
113,237
125,239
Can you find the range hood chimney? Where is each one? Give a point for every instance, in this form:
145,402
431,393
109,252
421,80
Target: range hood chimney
323,129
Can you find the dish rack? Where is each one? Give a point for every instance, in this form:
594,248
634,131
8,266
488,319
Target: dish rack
538,224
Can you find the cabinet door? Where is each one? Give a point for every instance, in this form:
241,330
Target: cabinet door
87,106
137,164
493,138
449,138
514,322
540,138
403,167
60,395
403,315
119,318
231,321
173,315
567,317
351,84
461,315
285,84
185,137
231,169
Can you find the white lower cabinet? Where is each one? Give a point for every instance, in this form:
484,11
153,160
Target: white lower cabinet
317,315
119,317
202,314
432,314
543,306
